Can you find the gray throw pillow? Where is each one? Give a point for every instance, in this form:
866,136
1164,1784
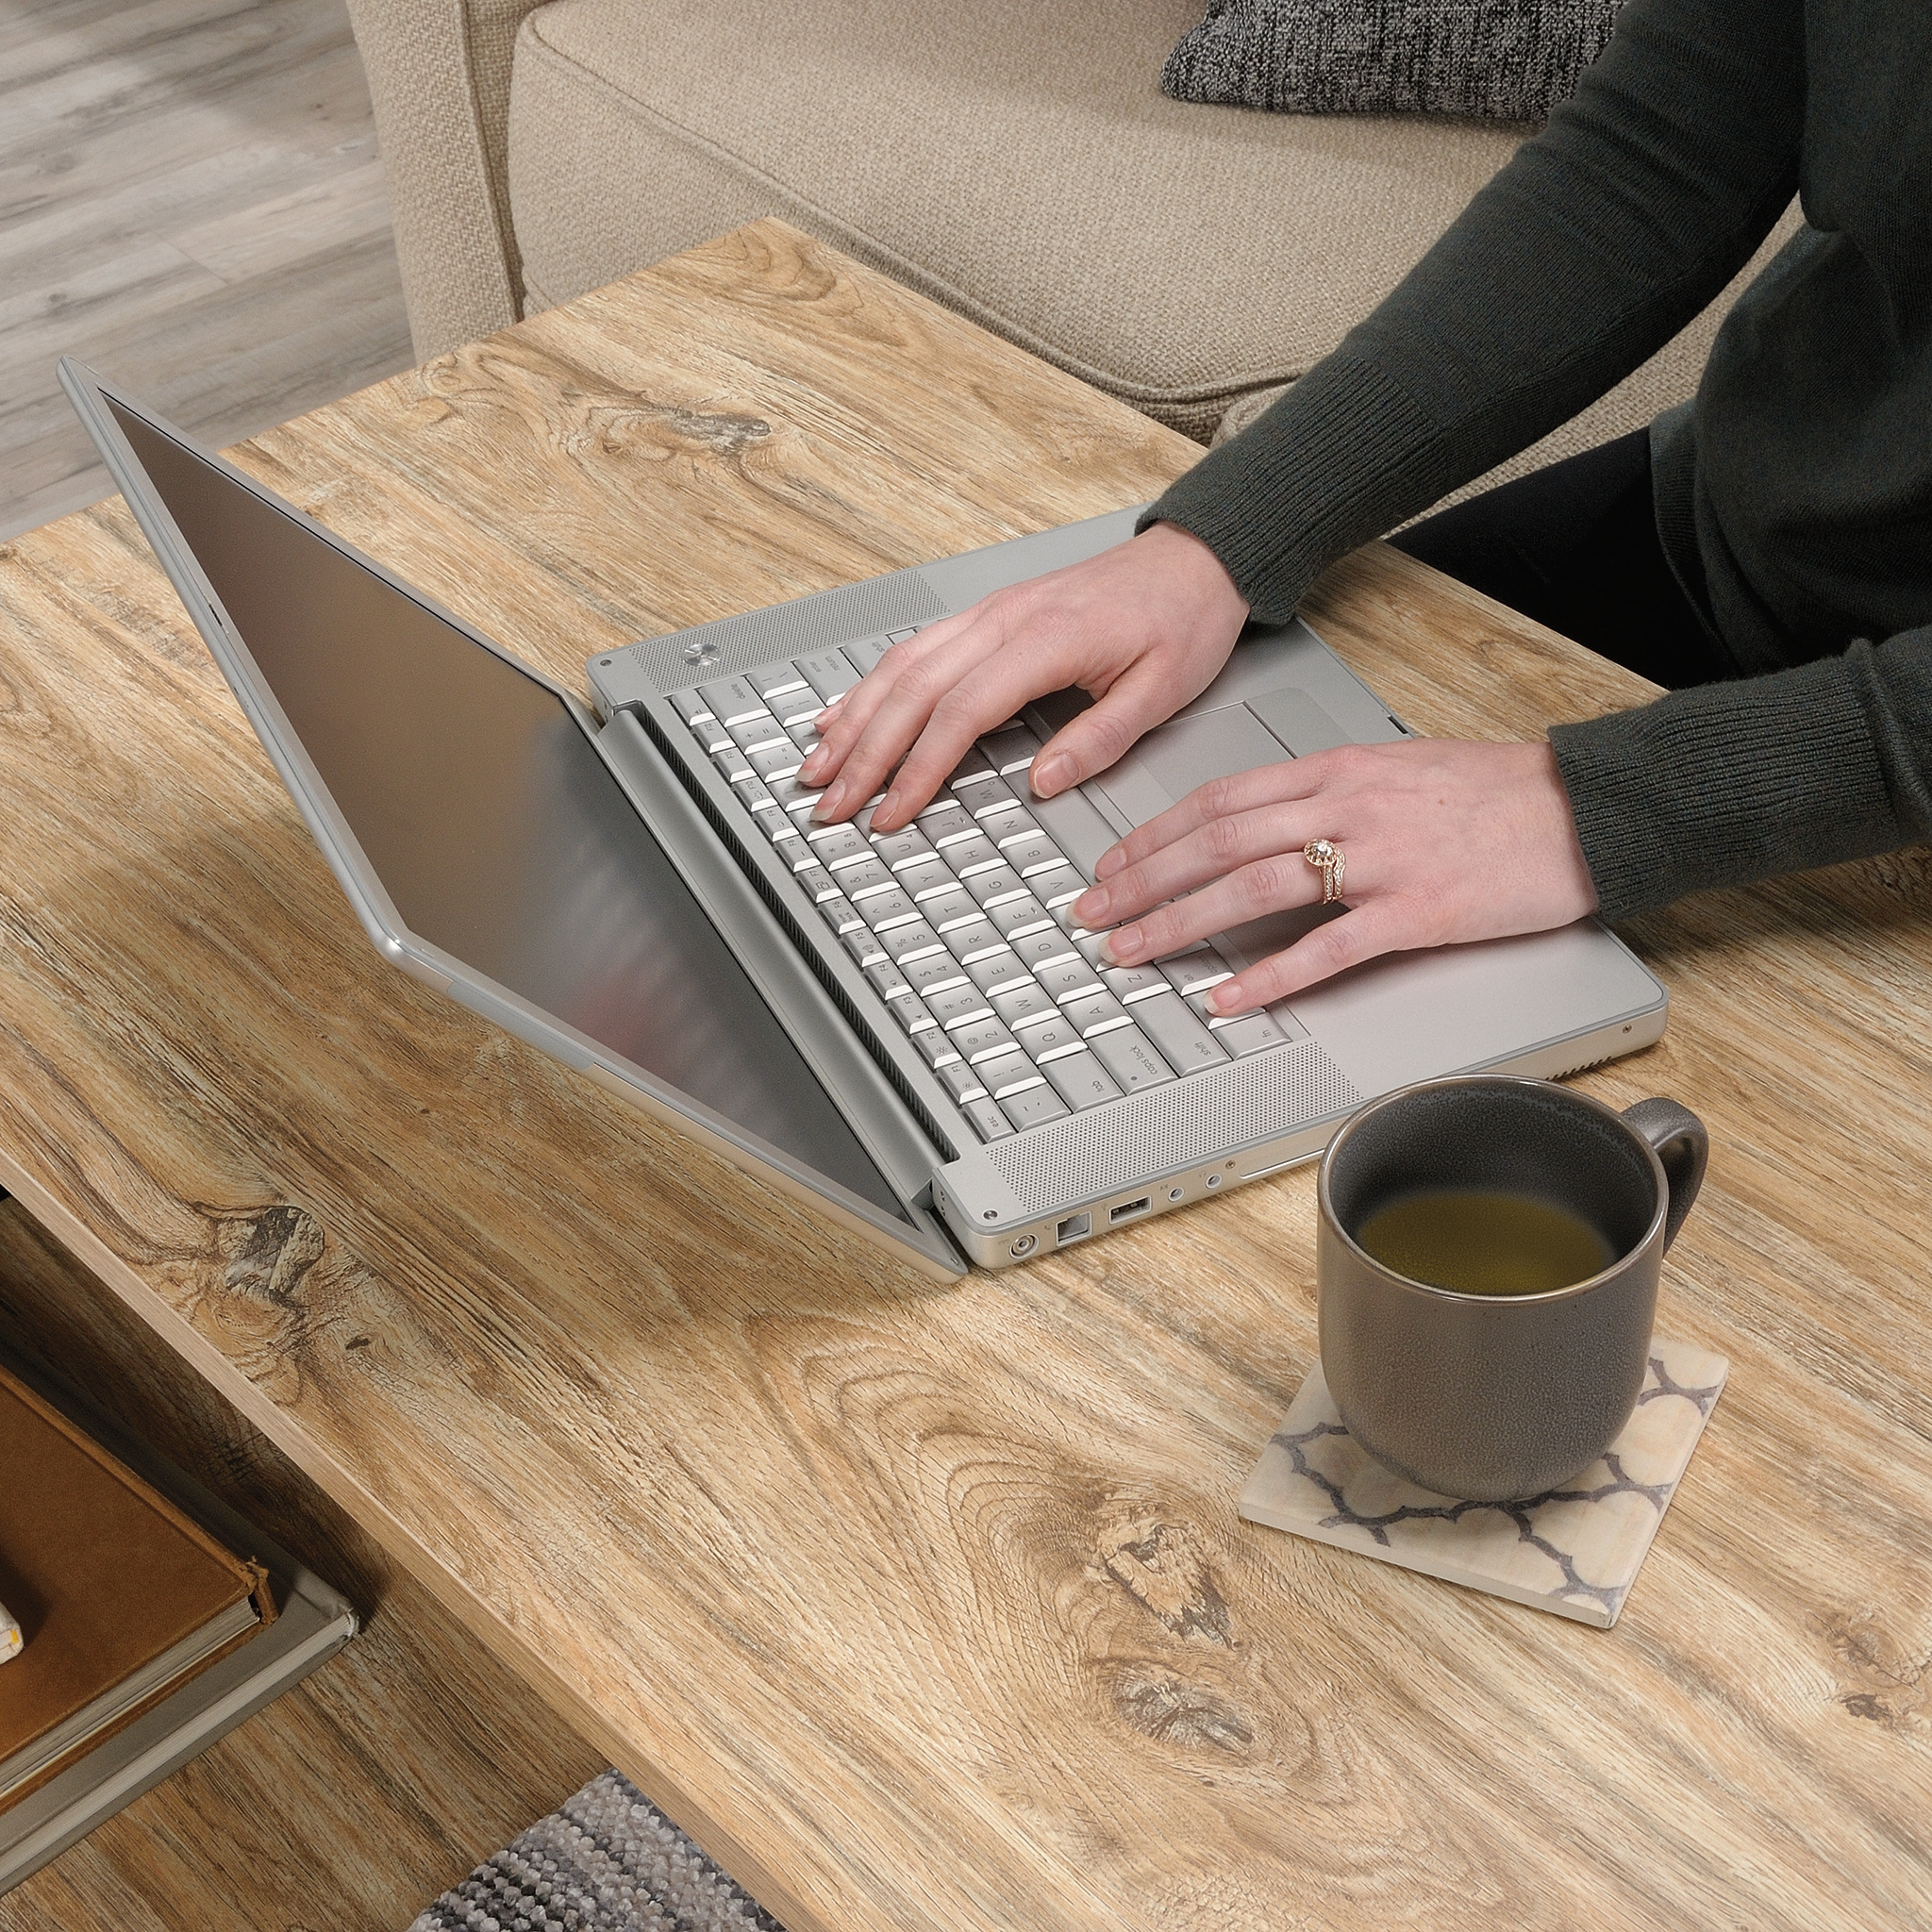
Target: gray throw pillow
1489,59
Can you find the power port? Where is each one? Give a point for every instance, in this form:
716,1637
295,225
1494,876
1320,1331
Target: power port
1127,1210
1073,1228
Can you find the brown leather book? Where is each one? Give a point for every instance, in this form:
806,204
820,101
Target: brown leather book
121,1597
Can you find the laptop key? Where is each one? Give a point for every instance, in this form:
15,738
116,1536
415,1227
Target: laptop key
959,1007
976,940
1024,999
818,882
970,854
1045,948
1185,1039
859,875
776,681
893,847
691,705
995,882
1130,983
841,914
1008,752
943,819
936,1047
1008,821
837,845
949,907
1080,1080
1248,1033
984,792
910,1010
1194,972
997,970
1019,916
1095,1012
830,673
732,701
962,1081
888,908
922,876
795,796
932,973
775,761
734,766
1064,978
748,734
1131,1058
915,936
1031,852
978,1040
1034,1106
1042,1038
1008,1073
859,941
988,1116
866,652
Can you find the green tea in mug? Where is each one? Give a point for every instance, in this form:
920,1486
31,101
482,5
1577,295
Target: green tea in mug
1480,1241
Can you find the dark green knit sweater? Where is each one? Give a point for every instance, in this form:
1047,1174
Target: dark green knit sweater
1793,495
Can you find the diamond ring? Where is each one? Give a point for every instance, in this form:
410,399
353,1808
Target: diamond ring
1326,855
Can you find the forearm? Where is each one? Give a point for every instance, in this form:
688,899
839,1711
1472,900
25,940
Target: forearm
1731,782
1602,238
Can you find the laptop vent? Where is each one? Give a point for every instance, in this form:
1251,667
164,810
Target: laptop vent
1173,1127
741,644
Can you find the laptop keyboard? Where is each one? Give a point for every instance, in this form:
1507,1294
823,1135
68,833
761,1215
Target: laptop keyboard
963,920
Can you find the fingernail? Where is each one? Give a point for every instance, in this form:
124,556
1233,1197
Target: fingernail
1111,862
1054,775
1090,908
1225,999
887,809
814,761
1122,945
827,807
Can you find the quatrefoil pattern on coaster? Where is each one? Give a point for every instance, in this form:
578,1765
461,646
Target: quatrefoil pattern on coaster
1575,1551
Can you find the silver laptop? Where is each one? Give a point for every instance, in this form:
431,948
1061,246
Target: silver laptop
911,1031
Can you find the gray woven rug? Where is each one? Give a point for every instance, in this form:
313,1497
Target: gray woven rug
608,1860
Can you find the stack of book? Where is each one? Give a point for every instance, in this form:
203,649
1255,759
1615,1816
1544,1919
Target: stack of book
144,1630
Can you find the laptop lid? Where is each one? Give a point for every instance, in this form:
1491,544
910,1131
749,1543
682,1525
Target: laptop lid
482,837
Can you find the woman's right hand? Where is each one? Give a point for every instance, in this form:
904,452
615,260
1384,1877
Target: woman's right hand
1143,627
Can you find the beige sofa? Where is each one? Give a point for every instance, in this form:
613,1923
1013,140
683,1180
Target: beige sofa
1015,160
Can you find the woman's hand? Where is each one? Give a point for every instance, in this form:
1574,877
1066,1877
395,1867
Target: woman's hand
1443,841
1143,627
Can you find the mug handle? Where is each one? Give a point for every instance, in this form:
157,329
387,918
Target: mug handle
1680,1141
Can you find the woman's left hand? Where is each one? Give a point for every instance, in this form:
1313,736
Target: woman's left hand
1443,841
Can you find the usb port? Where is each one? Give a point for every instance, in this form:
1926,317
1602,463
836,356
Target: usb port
1072,1228
1127,1210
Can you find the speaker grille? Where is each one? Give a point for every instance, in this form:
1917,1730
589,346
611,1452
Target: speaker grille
1173,1127
741,643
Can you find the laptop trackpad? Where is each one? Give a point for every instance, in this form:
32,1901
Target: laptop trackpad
1169,763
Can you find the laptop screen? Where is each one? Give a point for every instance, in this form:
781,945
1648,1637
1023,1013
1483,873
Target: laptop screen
491,822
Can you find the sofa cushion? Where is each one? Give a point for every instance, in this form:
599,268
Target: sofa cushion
1492,59
1018,163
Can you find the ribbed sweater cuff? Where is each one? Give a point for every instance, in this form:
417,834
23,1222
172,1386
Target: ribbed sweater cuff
1345,455
1724,784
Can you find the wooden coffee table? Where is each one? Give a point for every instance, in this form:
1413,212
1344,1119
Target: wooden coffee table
927,1607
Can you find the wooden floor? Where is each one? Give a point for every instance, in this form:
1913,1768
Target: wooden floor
354,1798
191,199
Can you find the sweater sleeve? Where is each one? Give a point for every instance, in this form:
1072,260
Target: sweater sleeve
1595,245
1725,783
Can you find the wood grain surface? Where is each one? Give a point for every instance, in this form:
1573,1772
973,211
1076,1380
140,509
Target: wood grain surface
926,1606
190,198
353,1799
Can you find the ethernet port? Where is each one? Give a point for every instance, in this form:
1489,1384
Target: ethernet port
1073,1229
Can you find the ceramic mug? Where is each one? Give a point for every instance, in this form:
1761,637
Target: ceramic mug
1498,1398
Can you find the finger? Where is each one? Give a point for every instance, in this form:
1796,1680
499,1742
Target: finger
1226,798
865,744
1210,852
1274,884
841,721
1364,932
1146,695
998,686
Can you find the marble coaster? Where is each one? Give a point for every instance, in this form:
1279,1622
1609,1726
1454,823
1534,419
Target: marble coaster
1575,1550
